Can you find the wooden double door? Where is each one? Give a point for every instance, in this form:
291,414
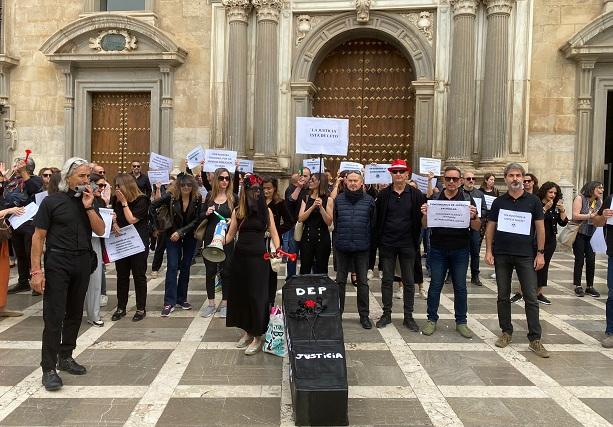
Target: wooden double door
120,131
368,81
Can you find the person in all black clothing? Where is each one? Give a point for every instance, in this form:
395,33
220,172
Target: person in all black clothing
605,219
294,194
65,221
550,195
131,207
141,180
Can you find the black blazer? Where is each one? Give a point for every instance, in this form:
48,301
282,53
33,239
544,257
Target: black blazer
417,199
191,218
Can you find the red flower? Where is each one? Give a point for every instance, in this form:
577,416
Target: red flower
310,304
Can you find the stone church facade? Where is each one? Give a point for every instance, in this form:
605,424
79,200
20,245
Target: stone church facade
477,83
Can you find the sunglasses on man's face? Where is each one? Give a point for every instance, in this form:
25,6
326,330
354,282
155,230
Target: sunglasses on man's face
527,181
223,178
452,179
396,172
135,166
470,178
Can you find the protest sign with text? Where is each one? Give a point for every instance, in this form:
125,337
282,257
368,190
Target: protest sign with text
126,244
322,136
314,165
377,174
427,165
422,182
195,157
160,163
245,165
448,214
162,177
514,222
350,166
215,159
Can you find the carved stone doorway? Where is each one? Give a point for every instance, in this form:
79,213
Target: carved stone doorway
368,81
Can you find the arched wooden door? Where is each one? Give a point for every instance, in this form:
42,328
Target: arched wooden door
368,81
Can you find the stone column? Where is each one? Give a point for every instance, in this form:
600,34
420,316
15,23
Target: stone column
584,123
495,86
461,122
235,115
424,121
166,124
69,149
266,84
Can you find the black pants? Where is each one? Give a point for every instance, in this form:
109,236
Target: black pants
22,243
315,250
406,259
582,250
67,279
224,270
418,272
524,265
356,262
158,255
272,287
543,273
137,264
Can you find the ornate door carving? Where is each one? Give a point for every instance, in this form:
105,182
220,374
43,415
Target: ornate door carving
120,130
368,81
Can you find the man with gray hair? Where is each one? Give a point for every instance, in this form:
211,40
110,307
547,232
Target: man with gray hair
513,221
65,221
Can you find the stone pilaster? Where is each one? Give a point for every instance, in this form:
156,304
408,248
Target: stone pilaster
584,122
167,109
235,117
495,87
267,84
461,122
67,70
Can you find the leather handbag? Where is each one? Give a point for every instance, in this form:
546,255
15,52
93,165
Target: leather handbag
163,219
568,234
199,232
5,231
298,229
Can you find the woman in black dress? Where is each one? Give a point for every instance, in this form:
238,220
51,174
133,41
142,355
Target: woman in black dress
248,295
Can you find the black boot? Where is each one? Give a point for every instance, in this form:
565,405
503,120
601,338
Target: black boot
69,365
51,380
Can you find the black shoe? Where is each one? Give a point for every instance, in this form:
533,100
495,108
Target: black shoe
119,313
579,291
476,281
51,380
365,322
383,321
19,288
139,315
543,299
592,292
516,297
409,322
71,366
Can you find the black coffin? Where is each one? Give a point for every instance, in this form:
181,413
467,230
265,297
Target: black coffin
318,371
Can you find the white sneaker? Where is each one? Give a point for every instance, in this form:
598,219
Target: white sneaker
493,276
208,311
104,300
370,274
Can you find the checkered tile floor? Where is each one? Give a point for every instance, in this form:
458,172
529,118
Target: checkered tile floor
184,370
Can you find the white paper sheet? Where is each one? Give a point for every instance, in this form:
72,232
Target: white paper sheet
40,196
314,165
478,202
203,192
448,214
422,182
215,159
427,165
245,165
195,156
163,177
322,136
599,245
159,162
107,217
17,221
514,222
377,174
488,201
350,166
127,243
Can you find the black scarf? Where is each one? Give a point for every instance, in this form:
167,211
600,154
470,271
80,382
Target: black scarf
354,196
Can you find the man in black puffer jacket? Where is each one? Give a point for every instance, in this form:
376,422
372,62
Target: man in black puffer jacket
354,220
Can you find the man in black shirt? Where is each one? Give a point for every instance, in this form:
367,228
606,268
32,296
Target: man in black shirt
513,221
141,180
449,250
398,229
604,219
65,221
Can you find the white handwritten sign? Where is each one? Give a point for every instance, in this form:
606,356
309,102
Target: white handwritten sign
377,174
448,214
514,222
350,166
422,182
427,165
215,159
245,165
107,217
38,197
158,162
478,202
488,201
322,136
314,165
126,244
162,177
17,221
195,156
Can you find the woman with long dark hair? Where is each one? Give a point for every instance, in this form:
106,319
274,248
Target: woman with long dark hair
219,201
131,207
316,215
248,307
184,204
585,207
550,195
283,222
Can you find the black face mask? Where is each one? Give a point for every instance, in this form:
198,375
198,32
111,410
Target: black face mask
354,196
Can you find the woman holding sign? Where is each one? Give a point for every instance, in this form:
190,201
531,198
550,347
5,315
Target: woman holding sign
316,215
131,206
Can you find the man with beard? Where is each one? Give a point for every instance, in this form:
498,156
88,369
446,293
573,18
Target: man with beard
65,221
513,221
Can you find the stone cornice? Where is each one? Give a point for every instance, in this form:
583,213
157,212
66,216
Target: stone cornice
268,10
464,7
499,7
238,10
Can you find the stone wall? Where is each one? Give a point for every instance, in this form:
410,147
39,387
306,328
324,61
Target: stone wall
552,117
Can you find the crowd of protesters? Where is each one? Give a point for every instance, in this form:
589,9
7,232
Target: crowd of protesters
316,218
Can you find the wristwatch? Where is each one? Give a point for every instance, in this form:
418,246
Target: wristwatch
541,251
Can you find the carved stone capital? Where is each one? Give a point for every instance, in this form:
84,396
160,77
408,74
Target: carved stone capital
499,7
464,7
238,10
268,10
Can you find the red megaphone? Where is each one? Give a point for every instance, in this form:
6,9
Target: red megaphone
291,257
28,152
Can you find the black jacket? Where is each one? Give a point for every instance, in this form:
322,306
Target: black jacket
353,223
417,199
183,224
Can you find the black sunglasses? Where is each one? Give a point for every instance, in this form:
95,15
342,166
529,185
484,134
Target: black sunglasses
135,166
396,172
47,174
469,179
526,181
452,179
223,178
